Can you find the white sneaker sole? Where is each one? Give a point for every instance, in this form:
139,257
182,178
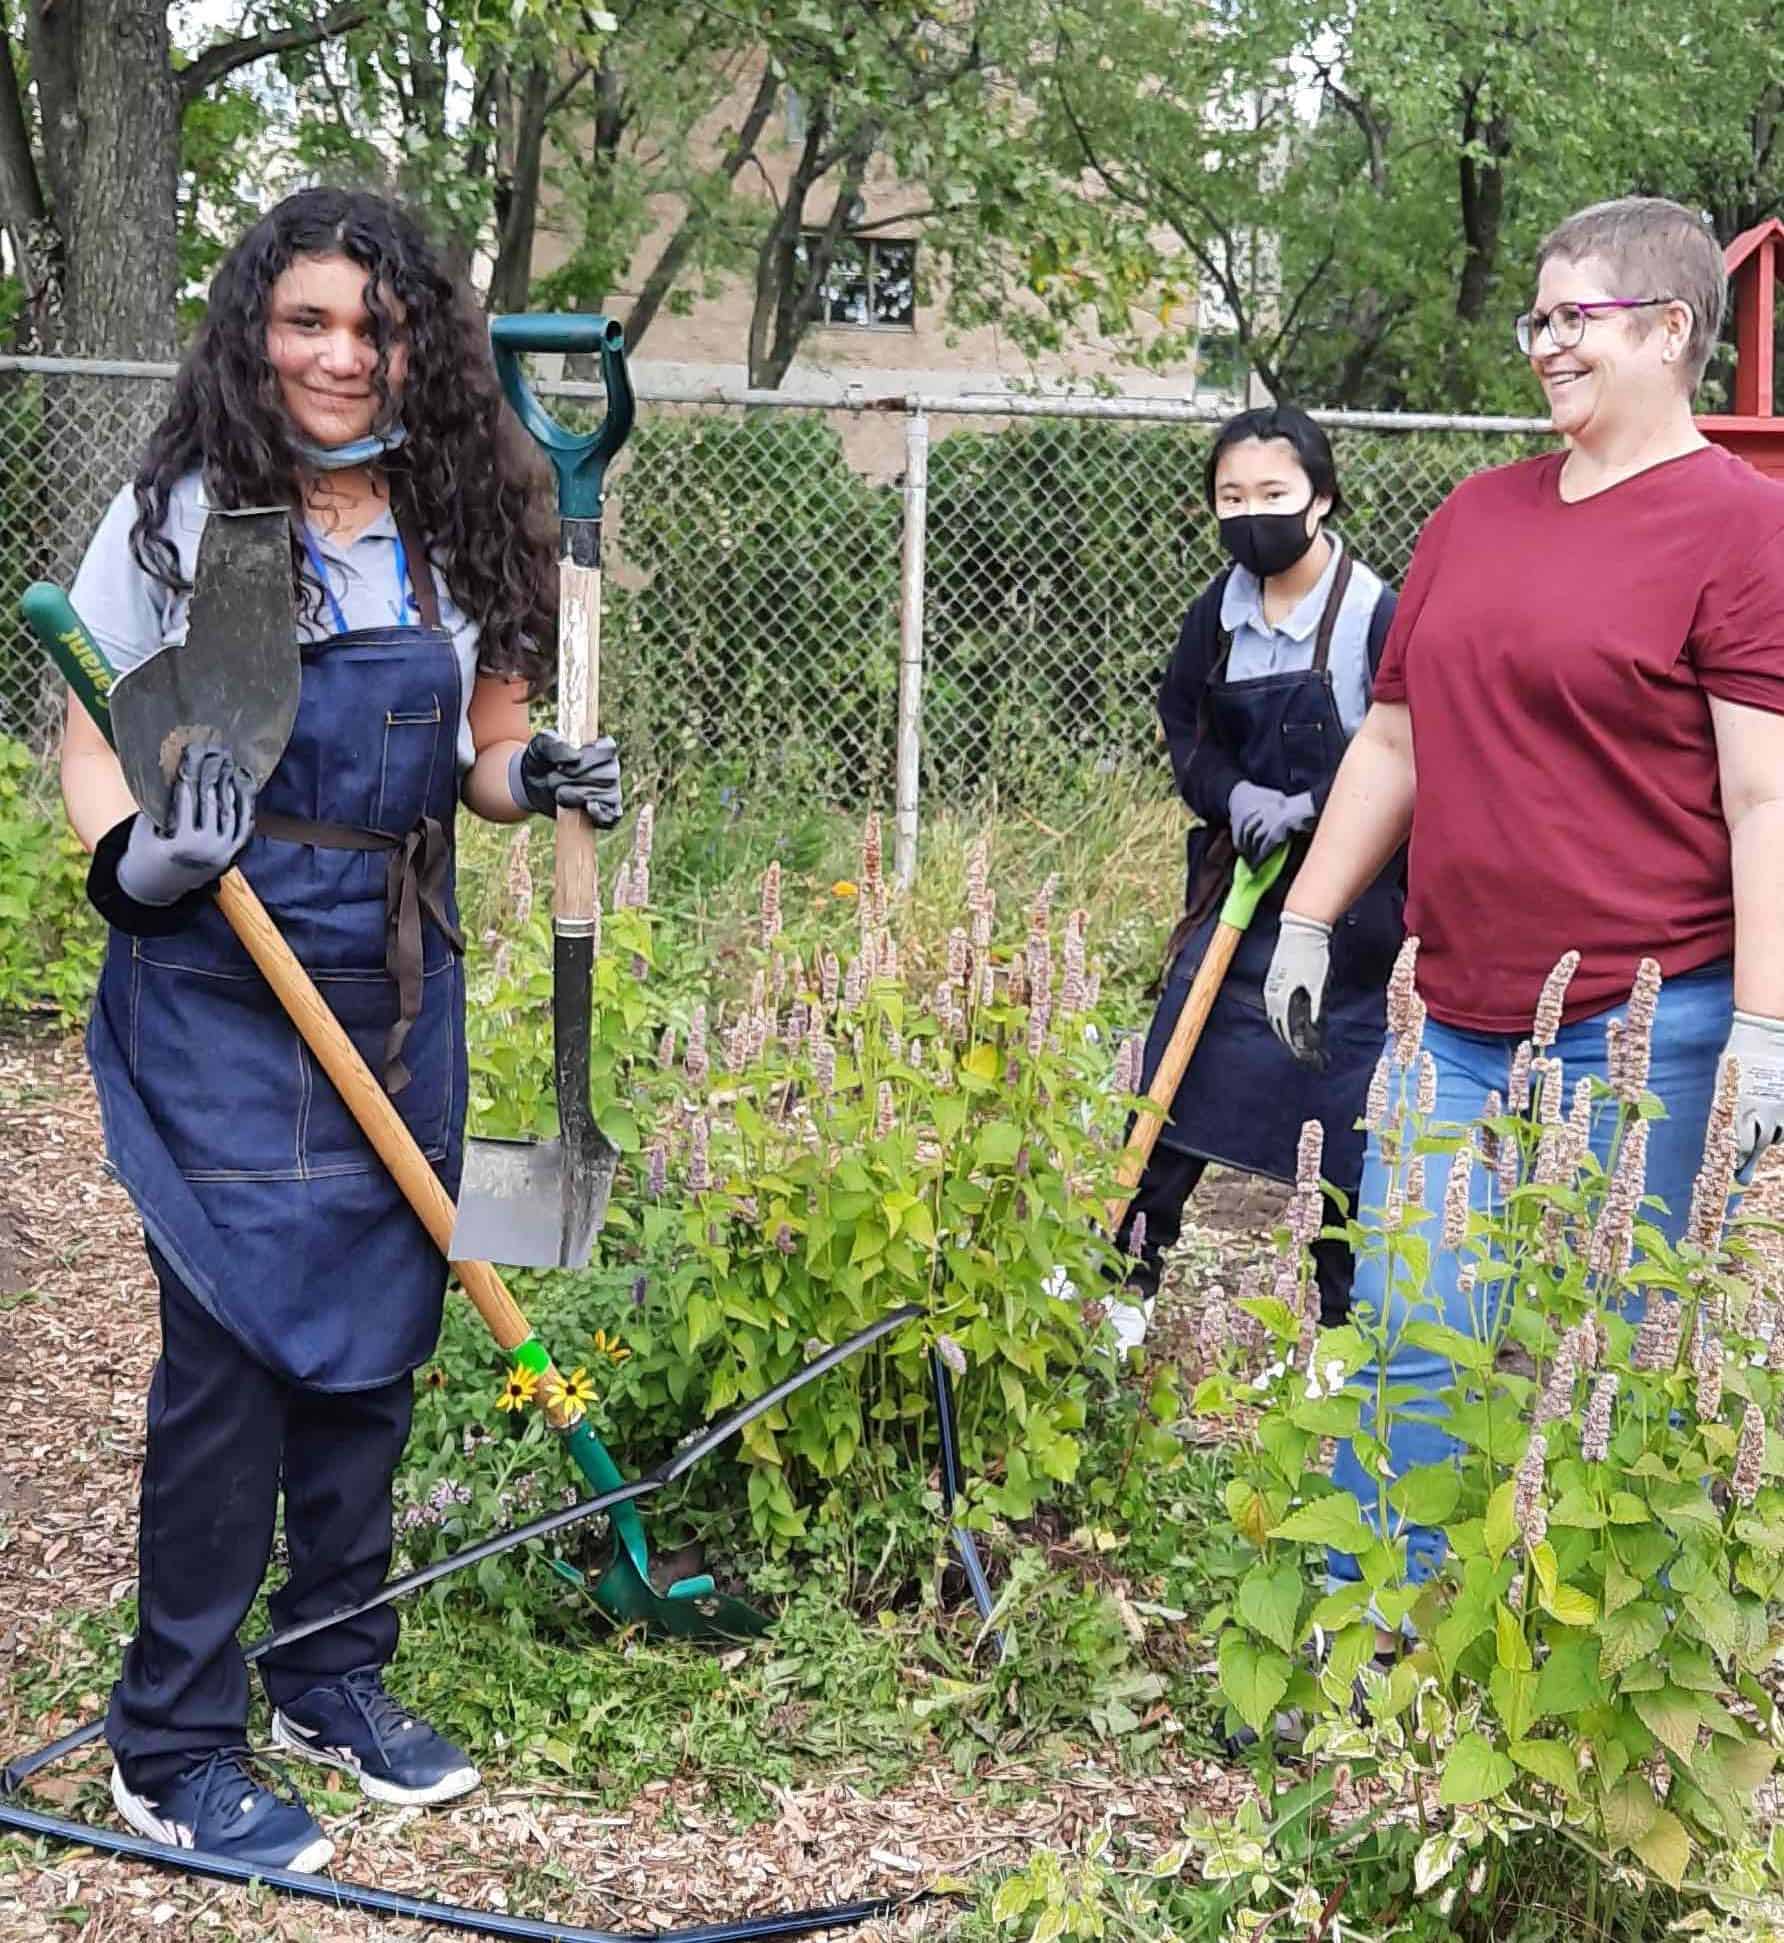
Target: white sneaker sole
449,1787
310,1860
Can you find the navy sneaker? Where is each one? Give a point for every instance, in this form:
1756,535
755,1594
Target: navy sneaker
216,1805
353,1723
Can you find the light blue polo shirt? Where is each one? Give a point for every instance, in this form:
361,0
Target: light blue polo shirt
133,616
1287,648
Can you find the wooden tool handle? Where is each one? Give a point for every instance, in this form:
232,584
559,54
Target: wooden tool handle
1179,1049
365,1099
579,708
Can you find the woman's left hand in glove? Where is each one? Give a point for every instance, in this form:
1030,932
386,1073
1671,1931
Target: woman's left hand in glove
1271,822
550,774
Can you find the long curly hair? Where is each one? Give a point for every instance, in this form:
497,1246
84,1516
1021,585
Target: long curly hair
468,474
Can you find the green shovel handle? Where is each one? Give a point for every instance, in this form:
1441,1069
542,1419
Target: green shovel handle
1249,885
63,636
580,459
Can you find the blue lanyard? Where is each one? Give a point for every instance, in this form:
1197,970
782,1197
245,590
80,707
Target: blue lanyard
402,606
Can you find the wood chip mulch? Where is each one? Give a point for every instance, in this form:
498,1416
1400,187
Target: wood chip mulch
74,1370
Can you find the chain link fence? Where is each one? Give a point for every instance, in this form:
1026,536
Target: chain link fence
933,599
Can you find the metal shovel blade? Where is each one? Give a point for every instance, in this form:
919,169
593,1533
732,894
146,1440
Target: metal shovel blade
540,1203
522,1204
235,680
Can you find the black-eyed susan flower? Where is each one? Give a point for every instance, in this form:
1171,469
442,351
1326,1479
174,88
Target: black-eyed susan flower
517,1389
610,1346
578,1388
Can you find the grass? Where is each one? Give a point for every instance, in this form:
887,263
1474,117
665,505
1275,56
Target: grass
1114,837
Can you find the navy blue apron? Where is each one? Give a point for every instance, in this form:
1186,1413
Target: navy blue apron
248,1172
1244,1097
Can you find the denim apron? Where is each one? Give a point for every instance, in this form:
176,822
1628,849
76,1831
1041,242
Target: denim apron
1244,1097
248,1172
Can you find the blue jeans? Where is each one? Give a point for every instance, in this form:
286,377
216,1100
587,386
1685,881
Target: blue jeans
1690,1029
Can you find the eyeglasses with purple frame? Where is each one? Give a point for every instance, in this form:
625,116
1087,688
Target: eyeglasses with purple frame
1566,323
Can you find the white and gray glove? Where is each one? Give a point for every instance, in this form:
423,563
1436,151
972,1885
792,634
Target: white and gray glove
210,817
1758,1045
1295,986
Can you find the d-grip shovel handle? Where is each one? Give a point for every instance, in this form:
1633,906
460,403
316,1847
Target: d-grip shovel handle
60,631
580,459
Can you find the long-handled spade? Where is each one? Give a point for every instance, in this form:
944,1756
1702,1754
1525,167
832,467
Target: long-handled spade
691,1609
538,1203
1236,913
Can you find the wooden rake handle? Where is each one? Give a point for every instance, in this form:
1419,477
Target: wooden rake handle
1236,913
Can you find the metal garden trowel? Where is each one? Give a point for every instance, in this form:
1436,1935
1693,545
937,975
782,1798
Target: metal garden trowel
540,1203
236,680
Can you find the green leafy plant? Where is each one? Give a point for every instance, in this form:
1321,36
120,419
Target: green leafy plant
51,941
835,1145
865,1140
1588,1653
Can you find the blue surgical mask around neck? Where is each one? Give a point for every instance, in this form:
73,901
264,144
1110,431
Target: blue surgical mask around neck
359,452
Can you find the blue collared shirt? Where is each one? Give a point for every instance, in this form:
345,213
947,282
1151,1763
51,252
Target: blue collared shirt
1286,648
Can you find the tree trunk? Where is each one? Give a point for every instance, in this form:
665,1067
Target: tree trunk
461,245
513,273
36,246
123,254
790,296
1482,186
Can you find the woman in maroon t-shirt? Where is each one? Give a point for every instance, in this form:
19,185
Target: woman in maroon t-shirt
1579,723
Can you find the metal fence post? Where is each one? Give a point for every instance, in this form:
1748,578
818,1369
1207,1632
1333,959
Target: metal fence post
910,644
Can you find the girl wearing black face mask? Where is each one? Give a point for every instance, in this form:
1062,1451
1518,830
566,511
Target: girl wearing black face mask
1270,679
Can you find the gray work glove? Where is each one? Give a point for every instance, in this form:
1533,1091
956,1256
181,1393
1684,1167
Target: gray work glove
1262,819
1758,1044
1295,986
550,774
211,817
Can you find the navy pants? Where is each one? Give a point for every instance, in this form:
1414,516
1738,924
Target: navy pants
1171,1177
224,1435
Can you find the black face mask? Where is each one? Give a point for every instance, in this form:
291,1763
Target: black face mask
1267,543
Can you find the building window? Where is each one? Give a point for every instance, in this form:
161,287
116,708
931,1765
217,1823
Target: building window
872,283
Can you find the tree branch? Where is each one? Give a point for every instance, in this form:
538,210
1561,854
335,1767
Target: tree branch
1369,125
205,70
676,251
578,74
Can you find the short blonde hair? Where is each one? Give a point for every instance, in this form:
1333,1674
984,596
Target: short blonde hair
1657,249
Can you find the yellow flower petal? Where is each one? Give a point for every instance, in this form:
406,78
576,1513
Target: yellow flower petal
843,888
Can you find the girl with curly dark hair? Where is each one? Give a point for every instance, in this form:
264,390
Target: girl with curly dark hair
340,374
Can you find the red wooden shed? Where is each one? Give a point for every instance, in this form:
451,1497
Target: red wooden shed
1751,430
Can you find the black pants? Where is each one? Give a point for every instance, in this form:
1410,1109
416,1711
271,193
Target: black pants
224,1434
1170,1179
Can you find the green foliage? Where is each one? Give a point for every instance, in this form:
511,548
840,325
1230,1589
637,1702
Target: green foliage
50,939
1368,229
867,1145
1588,1654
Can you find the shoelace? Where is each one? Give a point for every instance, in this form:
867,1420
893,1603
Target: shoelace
224,1772
365,1693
